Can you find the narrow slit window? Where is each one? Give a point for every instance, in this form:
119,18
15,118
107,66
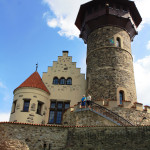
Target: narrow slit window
39,108
14,106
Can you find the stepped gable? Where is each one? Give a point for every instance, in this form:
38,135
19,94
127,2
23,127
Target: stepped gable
34,81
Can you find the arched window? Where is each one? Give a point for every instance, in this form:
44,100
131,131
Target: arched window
62,81
69,81
55,80
121,95
118,42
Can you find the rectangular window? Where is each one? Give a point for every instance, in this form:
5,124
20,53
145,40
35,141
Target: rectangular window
14,106
67,105
51,118
53,105
60,105
56,111
26,105
59,117
39,108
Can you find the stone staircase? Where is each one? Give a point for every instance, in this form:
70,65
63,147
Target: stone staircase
107,114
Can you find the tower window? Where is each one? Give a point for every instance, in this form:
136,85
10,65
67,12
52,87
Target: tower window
39,108
55,80
14,106
69,81
118,42
26,105
121,95
62,81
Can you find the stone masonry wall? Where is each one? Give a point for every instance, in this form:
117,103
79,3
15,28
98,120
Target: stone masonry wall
33,137
85,118
136,117
110,68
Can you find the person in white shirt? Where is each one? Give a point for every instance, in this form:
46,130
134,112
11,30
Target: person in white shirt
88,100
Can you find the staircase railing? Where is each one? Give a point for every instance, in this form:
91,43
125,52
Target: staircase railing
110,114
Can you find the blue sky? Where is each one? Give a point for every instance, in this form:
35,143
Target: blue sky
34,31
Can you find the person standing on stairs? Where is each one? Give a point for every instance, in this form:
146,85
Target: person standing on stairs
83,101
88,100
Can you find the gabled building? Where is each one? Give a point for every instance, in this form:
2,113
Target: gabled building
43,101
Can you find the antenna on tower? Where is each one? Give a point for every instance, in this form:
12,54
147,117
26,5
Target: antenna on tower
36,67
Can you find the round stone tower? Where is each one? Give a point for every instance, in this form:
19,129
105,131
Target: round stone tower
108,27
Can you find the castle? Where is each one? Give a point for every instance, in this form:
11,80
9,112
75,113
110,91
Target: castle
107,27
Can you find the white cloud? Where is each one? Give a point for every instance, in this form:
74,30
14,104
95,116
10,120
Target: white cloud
142,79
52,23
65,12
143,7
2,85
148,45
4,117
5,92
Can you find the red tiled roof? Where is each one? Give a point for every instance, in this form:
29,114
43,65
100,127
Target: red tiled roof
62,126
34,81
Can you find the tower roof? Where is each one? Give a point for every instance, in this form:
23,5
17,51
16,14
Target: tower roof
134,12
98,13
34,81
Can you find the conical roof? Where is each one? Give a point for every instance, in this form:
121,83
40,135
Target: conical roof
34,81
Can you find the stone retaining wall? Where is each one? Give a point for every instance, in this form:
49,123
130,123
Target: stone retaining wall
34,137
137,117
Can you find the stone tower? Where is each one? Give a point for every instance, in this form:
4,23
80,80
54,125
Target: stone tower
108,27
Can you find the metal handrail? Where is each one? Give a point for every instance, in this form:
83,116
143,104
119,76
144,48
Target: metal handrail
110,114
